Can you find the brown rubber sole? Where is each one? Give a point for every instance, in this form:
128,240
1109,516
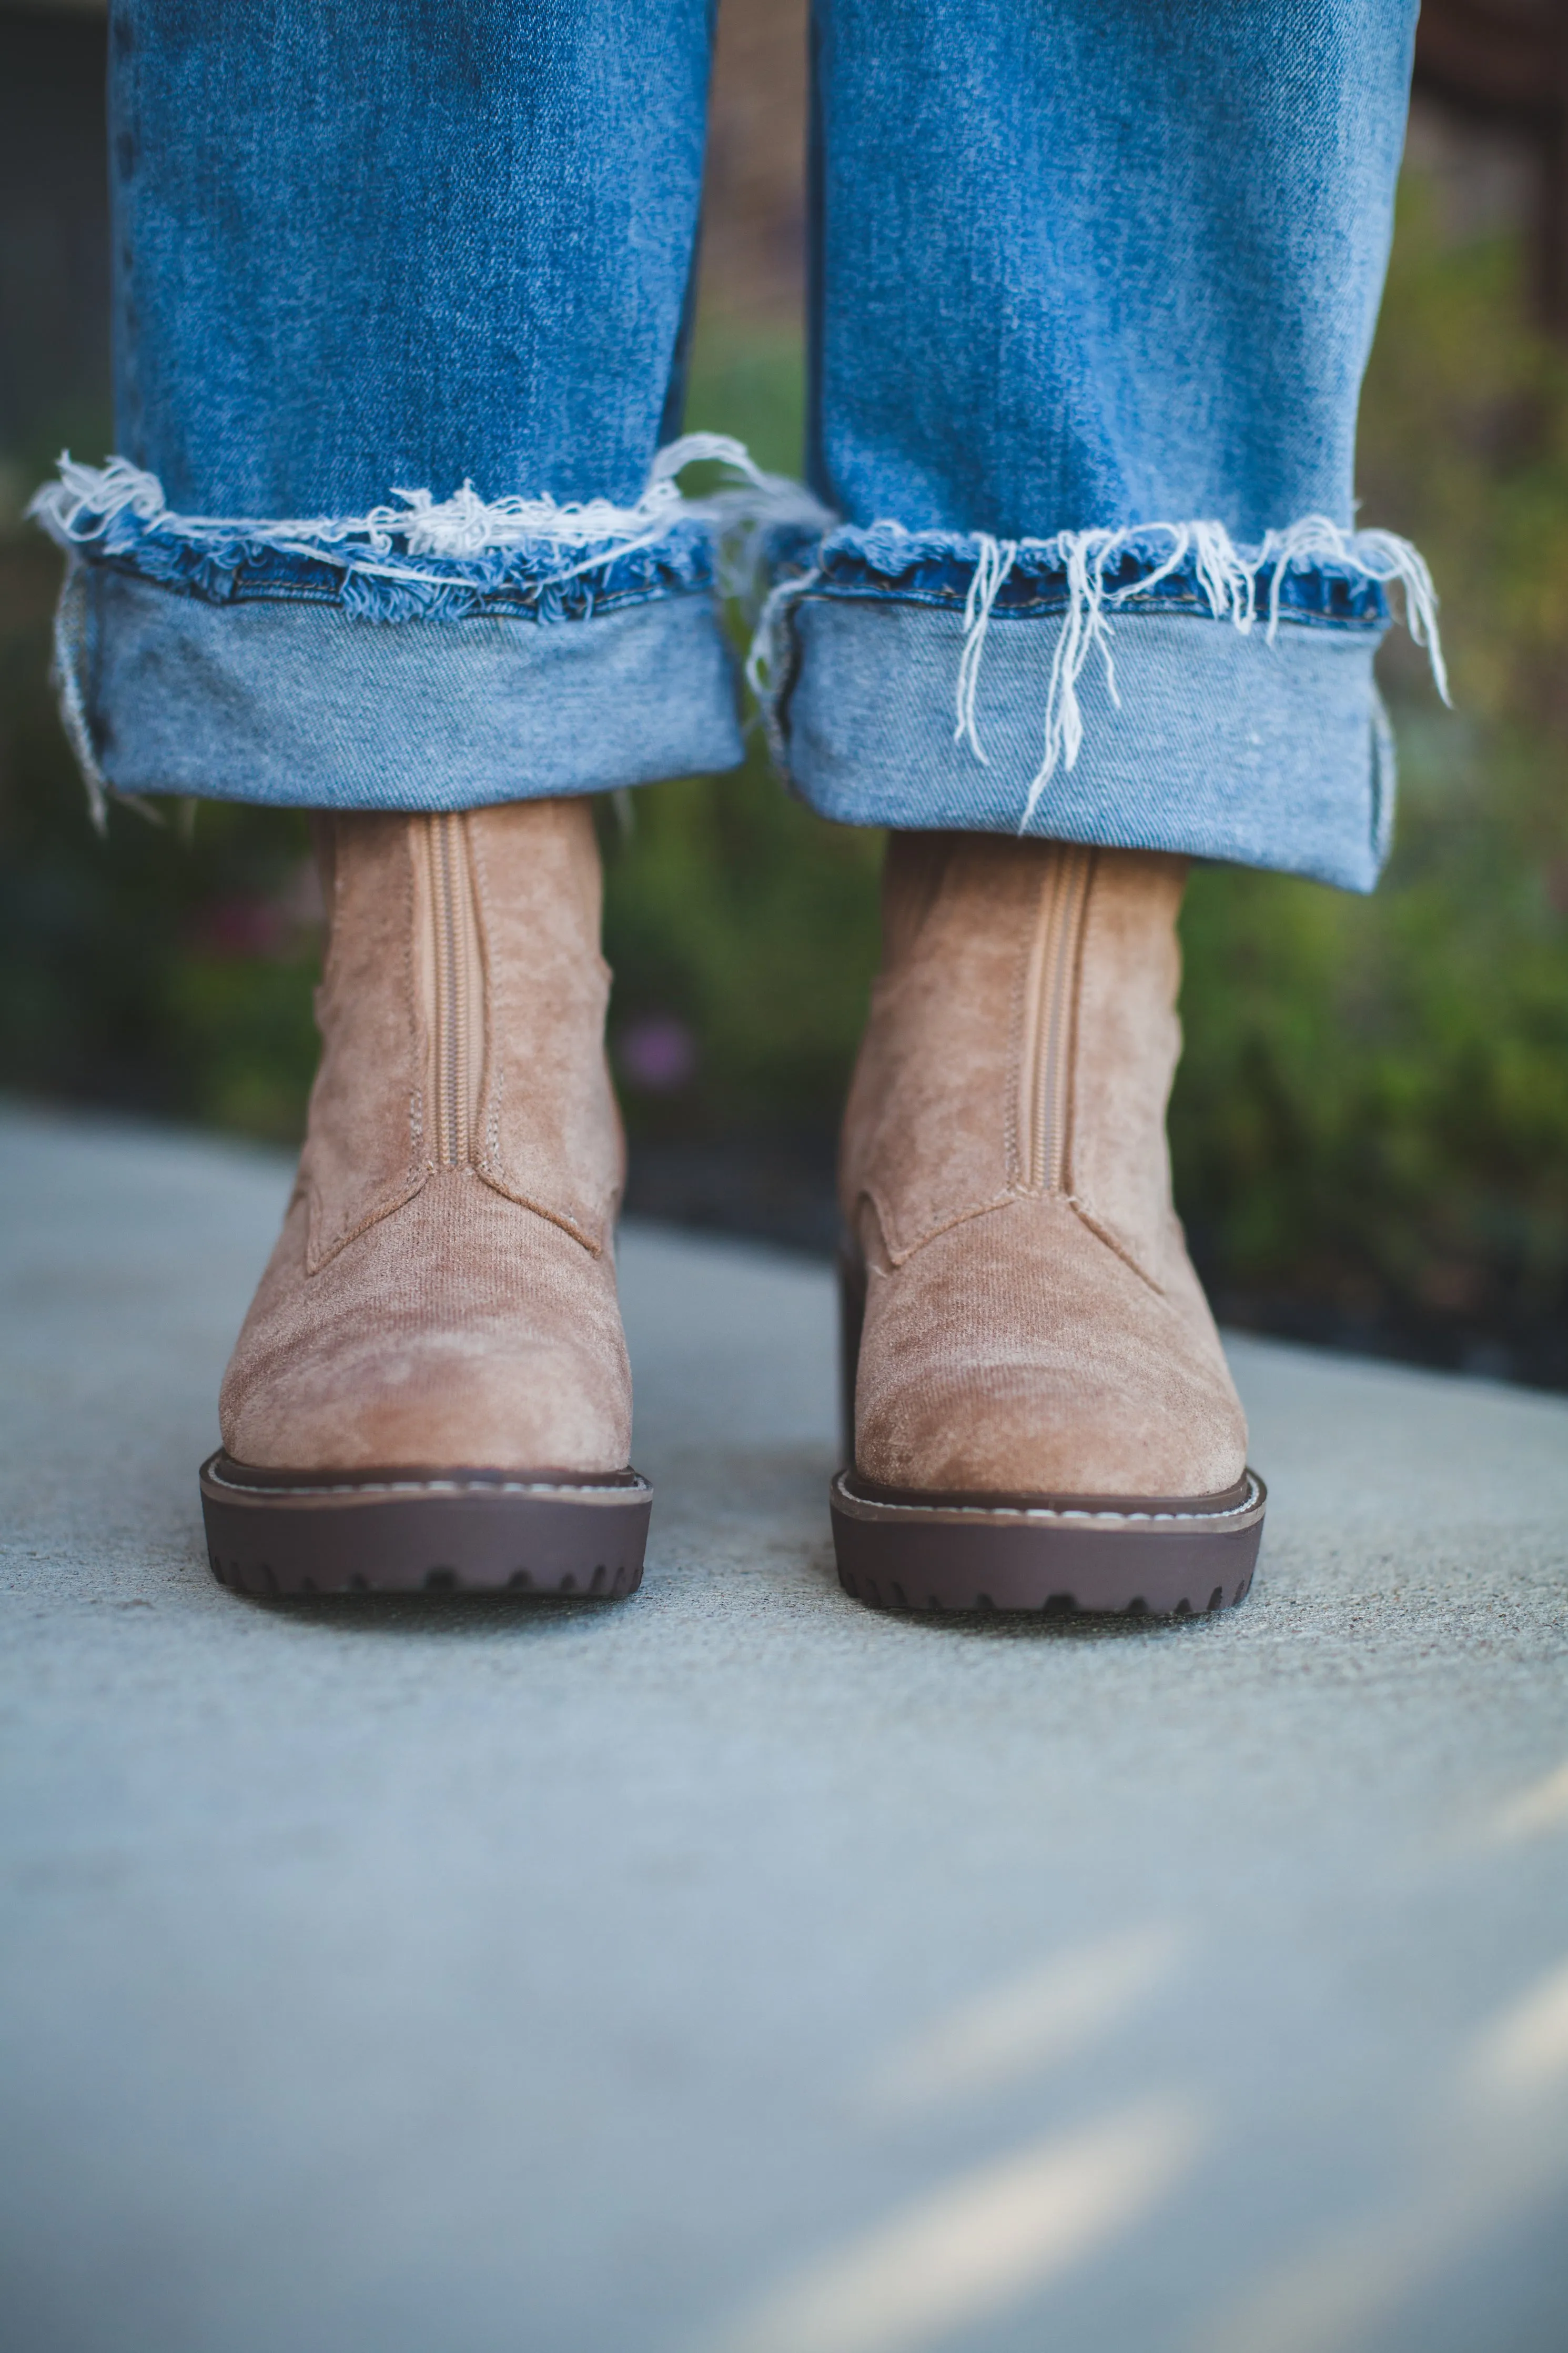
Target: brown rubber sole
1177,1556
554,1533
1155,1556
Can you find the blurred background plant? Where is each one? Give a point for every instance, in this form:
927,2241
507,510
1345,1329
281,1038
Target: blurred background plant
1371,1124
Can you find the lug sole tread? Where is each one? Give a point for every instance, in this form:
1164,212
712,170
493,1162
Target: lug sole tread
459,1537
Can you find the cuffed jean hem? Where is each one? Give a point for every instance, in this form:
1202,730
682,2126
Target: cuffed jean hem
310,705
1268,751
425,655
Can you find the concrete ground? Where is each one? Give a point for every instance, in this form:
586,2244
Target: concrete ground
731,1970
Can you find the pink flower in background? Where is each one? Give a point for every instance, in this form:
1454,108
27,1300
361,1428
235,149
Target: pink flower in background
240,927
656,1052
246,924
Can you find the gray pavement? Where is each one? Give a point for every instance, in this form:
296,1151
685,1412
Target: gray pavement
733,1970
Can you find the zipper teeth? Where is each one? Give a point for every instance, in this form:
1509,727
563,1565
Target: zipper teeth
1053,971
451,991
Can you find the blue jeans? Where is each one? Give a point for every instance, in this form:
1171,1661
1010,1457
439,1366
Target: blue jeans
403,294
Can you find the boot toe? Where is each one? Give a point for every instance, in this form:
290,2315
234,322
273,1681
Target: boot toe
463,1331
1017,1353
437,1405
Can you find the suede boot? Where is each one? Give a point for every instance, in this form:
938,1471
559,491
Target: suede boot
1042,1415
431,1386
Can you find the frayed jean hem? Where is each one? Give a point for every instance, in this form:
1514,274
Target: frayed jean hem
427,655
1270,752
309,705
1156,685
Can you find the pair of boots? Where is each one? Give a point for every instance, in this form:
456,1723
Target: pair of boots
432,1389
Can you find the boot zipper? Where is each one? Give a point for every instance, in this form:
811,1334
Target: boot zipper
457,1012
1051,988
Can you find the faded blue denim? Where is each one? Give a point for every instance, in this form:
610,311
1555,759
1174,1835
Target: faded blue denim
1093,288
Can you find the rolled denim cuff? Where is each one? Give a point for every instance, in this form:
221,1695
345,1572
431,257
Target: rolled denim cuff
307,705
421,656
1154,690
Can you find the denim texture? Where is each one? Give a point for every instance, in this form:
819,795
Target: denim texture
240,703
402,242
1085,263
403,296
1210,725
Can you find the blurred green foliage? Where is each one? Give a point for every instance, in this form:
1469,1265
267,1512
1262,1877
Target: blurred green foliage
1370,1125
165,967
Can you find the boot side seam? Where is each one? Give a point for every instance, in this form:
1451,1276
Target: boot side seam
1018,1046
592,1242
900,1253
321,1246
320,1252
1067,1184
1113,1242
1104,1229
487,1097
488,1162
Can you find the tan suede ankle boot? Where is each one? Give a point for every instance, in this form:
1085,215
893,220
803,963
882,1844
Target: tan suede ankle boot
1042,1413
431,1386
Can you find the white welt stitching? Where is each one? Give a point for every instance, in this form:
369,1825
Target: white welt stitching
1043,1512
441,1487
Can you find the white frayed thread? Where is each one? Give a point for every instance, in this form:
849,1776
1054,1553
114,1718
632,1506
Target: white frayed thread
80,504
66,676
1227,576
66,666
994,558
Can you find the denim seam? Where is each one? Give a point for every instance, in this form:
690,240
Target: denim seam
584,597
1051,604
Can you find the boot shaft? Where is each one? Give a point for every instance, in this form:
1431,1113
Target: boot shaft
1022,1042
462,1012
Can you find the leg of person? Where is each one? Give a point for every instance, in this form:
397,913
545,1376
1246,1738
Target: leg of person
401,304
1094,290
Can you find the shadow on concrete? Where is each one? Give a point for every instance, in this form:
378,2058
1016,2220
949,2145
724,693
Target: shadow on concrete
1053,1627
457,1615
